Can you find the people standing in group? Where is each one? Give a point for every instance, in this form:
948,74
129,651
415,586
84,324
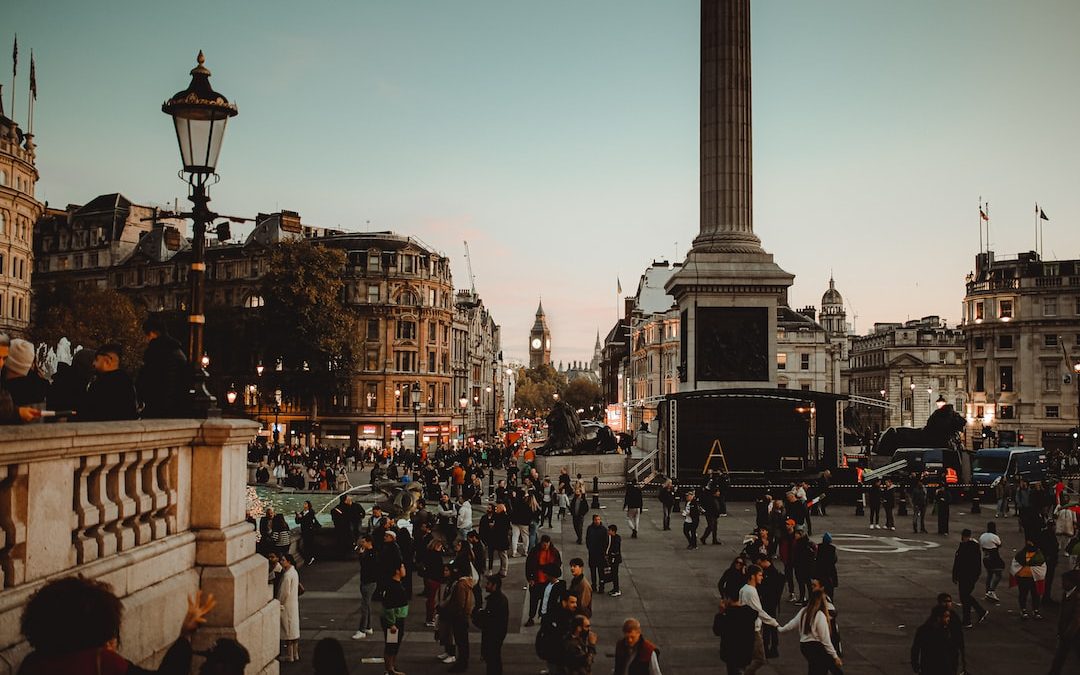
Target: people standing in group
164,377
633,502
595,543
918,505
634,655
691,514
815,642
288,595
990,545
666,495
369,580
966,570
493,620
579,508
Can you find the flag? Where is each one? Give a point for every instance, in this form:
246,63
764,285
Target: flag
1042,215
33,76
982,214
15,57
618,283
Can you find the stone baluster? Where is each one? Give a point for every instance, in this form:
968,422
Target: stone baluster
88,513
157,482
140,492
121,503
13,514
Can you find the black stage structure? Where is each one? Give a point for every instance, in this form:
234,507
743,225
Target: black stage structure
764,433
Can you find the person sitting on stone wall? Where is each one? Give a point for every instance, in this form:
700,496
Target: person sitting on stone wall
10,413
73,625
111,394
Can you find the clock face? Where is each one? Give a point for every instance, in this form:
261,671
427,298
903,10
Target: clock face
536,343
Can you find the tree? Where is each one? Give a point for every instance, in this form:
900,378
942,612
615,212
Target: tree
536,389
89,316
581,394
305,322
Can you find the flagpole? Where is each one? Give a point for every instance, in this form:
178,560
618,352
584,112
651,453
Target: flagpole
14,71
987,227
1037,229
979,217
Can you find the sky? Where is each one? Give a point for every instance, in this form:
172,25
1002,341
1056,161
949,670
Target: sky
560,138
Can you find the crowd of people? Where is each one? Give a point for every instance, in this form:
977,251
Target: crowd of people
94,387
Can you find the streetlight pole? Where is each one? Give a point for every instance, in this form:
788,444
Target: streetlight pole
464,403
884,408
416,416
900,398
200,115
929,402
913,402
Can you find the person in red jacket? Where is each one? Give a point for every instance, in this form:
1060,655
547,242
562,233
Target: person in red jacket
634,655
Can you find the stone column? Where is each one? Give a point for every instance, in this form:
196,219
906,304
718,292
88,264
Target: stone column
726,184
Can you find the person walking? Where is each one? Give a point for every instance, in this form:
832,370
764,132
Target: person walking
918,505
815,643
580,587
825,562
595,543
633,503
458,611
710,506
802,556
691,514
369,580
1028,572
289,596
612,559
547,502
578,648
492,619
579,508
734,625
967,567
305,518
873,499
748,596
990,545
536,566
666,495
942,501
395,610
934,650
770,591
634,655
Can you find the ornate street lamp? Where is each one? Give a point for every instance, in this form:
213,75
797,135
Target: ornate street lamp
464,403
230,395
416,416
199,114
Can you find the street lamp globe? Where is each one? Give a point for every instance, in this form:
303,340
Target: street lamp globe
463,402
259,369
415,394
200,115
230,396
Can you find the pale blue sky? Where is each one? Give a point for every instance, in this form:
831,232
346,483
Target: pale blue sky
560,137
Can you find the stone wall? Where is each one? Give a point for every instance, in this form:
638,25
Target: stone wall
156,509
608,468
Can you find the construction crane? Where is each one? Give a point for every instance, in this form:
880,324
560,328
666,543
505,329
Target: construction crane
467,299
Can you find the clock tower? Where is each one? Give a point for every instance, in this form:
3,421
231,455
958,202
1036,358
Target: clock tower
539,340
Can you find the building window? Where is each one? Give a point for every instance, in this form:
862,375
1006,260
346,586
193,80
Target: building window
781,361
1049,306
431,329
372,329
1077,308
1006,380
1050,340
374,261
405,361
254,301
1005,412
781,385
1005,342
805,387
1005,309
979,411
373,294
431,361
804,362
3,224
406,330
431,398
1050,378
371,397
1052,412
408,298
979,343
372,360
980,378
408,264
979,310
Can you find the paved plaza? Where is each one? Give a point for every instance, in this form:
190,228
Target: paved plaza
888,582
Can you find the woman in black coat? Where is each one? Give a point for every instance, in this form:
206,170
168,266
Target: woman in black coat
825,566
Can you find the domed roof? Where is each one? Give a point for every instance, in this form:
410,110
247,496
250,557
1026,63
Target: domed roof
832,296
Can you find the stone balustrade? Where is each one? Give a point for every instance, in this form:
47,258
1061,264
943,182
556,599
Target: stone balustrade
156,509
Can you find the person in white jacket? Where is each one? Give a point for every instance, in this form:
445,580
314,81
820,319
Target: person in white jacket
464,517
748,595
288,595
1064,525
816,646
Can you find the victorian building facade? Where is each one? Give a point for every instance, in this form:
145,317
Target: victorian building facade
400,289
19,210
1022,330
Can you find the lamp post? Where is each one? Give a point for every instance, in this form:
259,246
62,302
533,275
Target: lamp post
491,390
230,395
884,408
200,115
929,401
509,390
476,412
913,401
1076,431
416,416
464,403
